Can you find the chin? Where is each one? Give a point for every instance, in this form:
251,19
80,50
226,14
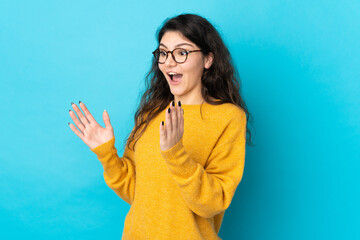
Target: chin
176,92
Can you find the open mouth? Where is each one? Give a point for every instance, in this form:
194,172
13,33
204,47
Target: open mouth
175,77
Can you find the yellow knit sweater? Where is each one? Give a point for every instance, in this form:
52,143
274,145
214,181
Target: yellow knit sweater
183,192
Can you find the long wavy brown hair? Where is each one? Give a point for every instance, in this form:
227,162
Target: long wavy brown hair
221,81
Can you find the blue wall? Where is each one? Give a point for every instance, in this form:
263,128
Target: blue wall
299,64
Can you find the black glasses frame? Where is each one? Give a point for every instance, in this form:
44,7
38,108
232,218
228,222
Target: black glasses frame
167,54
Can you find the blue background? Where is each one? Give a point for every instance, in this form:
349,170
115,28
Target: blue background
299,67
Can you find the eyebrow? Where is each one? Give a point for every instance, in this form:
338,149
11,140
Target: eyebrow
178,44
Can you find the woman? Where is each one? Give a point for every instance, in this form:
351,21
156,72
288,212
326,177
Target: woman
185,155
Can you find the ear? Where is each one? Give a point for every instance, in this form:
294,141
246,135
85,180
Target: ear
209,60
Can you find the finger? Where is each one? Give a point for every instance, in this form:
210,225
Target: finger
76,121
174,117
106,119
87,113
162,130
179,114
168,123
80,115
182,121
77,132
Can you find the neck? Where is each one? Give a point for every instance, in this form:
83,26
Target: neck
191,102
187,101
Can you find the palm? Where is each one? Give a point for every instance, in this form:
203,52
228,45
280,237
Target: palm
90,132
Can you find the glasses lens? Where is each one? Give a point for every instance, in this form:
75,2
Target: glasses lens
160,56
180,55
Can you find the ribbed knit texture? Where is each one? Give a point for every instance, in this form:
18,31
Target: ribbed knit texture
181,193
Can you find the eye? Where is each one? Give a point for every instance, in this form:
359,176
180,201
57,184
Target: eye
162,53
183,52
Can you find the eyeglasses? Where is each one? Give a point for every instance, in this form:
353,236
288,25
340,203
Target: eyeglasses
178,54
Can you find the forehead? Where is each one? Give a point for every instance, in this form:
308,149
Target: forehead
171,39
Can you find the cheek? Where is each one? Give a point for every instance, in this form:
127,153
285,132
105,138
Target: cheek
193,66
193,71
163,72
160,67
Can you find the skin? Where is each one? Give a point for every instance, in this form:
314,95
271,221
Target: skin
91,132
188,92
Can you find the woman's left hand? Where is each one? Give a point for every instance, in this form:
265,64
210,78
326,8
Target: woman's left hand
173,130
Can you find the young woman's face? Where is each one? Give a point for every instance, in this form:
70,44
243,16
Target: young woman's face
186,88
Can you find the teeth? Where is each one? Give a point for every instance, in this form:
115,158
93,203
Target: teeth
171,73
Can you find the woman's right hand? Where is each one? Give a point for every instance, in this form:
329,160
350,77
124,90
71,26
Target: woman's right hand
90,132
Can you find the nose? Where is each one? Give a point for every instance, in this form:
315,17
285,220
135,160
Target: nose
170,60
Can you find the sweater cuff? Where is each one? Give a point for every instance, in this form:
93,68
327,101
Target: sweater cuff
102,150
179,161
172,151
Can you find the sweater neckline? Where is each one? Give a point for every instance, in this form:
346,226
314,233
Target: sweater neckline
195,105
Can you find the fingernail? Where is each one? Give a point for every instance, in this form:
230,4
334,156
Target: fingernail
72,103
69,110
68,123
173,103
179,104
79,102
169,110
162,123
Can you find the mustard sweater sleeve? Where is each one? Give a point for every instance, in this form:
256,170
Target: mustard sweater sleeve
119,172
208,191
